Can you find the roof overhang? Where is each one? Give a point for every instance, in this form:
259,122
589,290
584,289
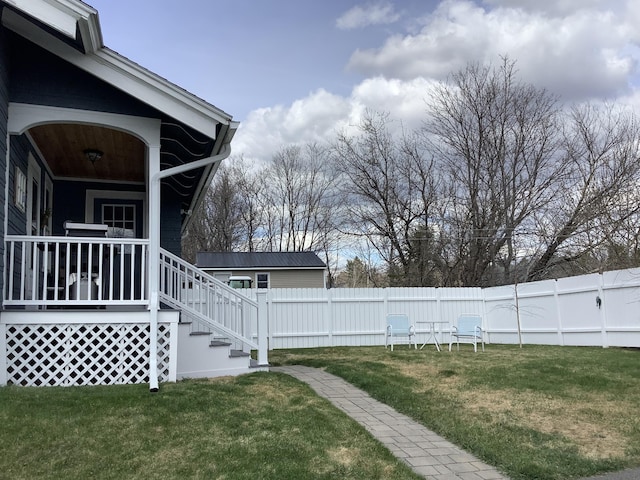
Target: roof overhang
76,20
70,29
79,22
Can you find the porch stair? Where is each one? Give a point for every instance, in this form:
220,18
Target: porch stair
199,356
215,336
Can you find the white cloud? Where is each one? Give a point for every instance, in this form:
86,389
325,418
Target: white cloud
577,52
370,14
319,116
403,100
581,54
555,7
632,15
308,120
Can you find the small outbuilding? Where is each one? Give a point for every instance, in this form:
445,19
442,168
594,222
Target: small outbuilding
267,269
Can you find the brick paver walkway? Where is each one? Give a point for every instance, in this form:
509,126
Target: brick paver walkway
425,452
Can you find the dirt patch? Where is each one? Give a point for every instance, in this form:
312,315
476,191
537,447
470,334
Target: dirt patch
595,437
344,456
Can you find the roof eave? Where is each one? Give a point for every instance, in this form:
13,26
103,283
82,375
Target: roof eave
67,17
121,72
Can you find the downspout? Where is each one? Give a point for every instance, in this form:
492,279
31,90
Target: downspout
154,251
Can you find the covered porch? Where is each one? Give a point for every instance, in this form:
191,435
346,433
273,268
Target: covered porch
105,160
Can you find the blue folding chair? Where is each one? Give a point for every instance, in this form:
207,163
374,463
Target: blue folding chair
467,330
398,325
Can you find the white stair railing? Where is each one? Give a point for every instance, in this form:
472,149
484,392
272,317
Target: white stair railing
208,301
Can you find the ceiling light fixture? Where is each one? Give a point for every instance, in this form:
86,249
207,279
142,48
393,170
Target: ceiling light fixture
93,154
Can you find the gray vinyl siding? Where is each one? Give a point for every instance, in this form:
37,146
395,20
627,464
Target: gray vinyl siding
170,222
69,200
39,77
281,278
4,107
19,157
296,279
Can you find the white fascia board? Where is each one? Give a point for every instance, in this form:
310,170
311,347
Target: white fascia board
60,19
129,77
91,33
61,15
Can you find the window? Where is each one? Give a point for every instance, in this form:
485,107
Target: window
262,280
119,216
20,195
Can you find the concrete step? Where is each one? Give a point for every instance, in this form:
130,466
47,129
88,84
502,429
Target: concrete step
201,356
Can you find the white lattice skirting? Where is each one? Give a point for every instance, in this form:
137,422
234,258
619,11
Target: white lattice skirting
91,353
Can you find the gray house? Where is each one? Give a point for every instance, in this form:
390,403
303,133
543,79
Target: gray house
267,269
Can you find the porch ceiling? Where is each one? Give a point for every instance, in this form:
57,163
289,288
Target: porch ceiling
63,146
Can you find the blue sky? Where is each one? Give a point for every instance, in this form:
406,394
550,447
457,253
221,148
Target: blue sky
244,54
297,70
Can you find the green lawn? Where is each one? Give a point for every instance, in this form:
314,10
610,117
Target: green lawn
258,426
535,413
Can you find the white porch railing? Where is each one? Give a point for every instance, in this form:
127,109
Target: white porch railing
211,305
44,272
61,272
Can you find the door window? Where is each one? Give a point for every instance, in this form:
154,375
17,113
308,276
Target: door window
121,216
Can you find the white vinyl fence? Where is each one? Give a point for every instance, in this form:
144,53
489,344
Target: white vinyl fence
553,312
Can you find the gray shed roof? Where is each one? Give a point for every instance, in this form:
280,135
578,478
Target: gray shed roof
257,260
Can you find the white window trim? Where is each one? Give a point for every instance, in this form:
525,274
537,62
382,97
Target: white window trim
93,195
20,190
268,278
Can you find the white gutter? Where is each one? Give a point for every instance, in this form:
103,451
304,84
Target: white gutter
225,151
154,250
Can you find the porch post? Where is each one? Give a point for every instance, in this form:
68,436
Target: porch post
263,329
154,262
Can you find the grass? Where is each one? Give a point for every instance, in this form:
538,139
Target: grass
258,426
535,413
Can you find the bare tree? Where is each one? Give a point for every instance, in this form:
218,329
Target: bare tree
250,185
389,187
215,224
599,195
298,204
496,143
